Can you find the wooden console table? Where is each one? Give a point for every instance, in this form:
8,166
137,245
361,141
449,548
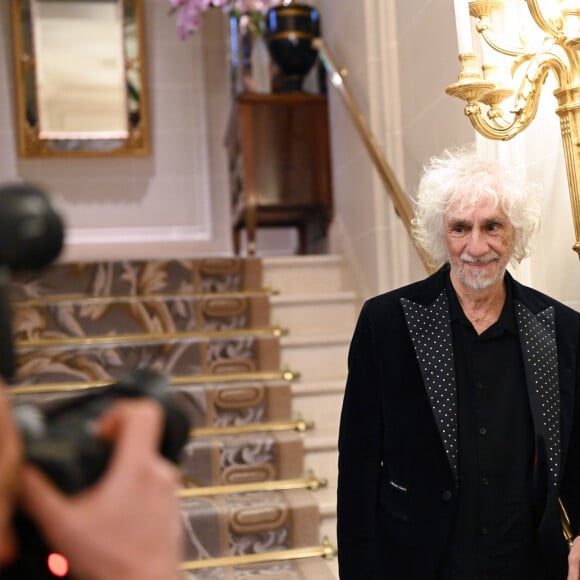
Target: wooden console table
279,159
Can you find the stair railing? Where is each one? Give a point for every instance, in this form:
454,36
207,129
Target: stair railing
394,189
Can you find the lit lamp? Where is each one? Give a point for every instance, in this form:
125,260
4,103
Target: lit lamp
557,52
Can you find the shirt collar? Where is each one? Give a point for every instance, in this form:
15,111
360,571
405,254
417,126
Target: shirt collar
506,320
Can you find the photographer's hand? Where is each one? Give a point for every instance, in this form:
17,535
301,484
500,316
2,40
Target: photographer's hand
10,461
127,525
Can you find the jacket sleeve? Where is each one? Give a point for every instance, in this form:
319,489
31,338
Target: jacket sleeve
359,460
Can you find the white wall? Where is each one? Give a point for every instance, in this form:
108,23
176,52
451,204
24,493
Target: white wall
399,63
171,203
354,232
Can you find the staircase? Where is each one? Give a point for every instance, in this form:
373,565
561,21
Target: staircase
256,355
315,305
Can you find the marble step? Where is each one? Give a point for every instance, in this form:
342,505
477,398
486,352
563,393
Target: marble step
321,456
316,358
321,449
315,313
304,274
319,401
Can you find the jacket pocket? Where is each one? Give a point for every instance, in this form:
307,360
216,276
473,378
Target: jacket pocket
394,500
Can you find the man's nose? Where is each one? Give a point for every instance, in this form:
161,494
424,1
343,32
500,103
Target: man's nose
477,244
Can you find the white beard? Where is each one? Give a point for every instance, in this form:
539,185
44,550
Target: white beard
482,279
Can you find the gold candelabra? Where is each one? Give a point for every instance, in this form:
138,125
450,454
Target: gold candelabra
557,51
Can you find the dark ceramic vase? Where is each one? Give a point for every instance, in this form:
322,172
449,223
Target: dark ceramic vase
290,30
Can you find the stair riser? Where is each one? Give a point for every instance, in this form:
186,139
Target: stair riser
303,275
315,318
323,410
324,463
328,529
241,523
242,459
316,362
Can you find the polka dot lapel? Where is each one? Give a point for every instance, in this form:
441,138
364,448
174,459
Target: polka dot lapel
538,341
430,330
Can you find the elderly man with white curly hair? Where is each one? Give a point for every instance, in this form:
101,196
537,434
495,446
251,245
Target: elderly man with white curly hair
460,425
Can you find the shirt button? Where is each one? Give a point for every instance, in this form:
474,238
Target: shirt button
482,430
484,481
446,496
479,386
484,531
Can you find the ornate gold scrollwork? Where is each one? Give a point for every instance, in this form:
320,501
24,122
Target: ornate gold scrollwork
486,97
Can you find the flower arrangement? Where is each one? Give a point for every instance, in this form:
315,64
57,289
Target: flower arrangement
189,12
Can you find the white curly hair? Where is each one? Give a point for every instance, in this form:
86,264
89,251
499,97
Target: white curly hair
460,178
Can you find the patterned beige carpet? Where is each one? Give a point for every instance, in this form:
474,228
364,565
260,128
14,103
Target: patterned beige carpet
206,325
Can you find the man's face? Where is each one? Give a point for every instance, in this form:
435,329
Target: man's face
479,243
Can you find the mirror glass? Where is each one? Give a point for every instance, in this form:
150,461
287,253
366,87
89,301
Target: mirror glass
80,77
80,69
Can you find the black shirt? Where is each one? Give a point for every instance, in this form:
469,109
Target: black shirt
493,535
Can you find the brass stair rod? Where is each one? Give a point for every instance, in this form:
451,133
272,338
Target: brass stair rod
326,550
35,389
148,337
299,425
310,482
401,202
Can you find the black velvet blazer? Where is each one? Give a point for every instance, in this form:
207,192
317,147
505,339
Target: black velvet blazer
398,432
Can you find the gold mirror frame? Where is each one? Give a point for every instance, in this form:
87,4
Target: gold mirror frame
29,142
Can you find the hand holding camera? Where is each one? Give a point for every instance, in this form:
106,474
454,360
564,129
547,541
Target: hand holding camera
112,454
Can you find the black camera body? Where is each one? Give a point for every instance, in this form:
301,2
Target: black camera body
63,445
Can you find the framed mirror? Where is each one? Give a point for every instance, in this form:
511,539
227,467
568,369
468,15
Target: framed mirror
80,78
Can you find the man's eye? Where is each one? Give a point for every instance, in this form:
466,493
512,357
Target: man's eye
458,229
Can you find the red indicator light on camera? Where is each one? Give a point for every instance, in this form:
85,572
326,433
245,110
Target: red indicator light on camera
57,564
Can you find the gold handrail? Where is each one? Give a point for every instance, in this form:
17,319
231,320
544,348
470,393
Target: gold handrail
285,375
299,425
309,482
275,331
400,200
326,550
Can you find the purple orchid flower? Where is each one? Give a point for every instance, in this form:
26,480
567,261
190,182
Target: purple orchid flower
189,12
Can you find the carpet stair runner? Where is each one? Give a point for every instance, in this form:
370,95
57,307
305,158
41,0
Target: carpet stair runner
248,507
